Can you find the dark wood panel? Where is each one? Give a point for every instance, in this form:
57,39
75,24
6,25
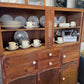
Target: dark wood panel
48,63
49,53
71,53
69,73
25,80
12,60
49,76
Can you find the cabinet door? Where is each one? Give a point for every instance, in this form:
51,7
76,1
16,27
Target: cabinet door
49,76
26,80
69,73
71,53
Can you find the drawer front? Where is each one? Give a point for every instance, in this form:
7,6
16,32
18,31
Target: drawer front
20,70
19,59
71,53
48,63
48,54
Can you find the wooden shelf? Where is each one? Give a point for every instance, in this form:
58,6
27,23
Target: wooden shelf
6,30
65,44
67,27
21,6
19,51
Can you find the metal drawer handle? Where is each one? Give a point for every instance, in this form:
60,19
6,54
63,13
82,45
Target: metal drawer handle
50,63
64,56
64,78
50,54
34,62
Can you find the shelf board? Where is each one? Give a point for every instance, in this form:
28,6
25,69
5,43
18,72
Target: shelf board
21,6
67,27
19,51
6,30
66,44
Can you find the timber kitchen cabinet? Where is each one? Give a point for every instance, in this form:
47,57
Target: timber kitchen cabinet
51,63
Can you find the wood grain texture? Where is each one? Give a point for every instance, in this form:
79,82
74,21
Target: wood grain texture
49,76
69,72
72,53
26,80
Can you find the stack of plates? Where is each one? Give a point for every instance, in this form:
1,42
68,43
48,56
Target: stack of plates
11,24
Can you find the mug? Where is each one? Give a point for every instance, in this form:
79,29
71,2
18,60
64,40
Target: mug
73,24
60,40
12,45
36,42
29,24
25,43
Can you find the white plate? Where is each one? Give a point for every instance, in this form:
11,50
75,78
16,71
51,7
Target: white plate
25,47
33,19
36,46
11,26
6,17
21,19
55,20
42,21
62,19
20,34
12,49
27,27
58,42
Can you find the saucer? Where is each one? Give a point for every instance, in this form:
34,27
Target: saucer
31,27
36,46
25,47
12,49
58,42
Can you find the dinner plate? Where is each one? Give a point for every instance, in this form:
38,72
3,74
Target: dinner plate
62,19
21,19
20,34
6,17
42,21
33,19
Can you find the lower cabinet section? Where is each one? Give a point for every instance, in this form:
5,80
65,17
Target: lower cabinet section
25,80
69,73
49,76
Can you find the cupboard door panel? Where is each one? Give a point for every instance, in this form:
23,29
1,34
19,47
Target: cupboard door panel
71,53
69,73
11,61
25,80
49,76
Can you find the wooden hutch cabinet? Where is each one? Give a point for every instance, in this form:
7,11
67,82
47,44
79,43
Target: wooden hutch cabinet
51,63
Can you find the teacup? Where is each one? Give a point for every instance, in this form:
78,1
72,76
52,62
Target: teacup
12,45
73,24
36,42
25,43
60,40
29,24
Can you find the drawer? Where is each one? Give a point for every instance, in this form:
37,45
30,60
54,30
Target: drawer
18,71
19,59
48,63
49,53
71,53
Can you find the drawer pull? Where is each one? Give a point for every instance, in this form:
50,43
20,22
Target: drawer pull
50,54
34,62
63,78
64,56
50,63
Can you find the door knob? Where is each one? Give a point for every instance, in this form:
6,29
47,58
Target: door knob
50,54
63,78
34,62
50,63
64,56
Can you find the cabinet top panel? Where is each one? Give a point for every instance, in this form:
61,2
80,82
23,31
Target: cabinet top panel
24,6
